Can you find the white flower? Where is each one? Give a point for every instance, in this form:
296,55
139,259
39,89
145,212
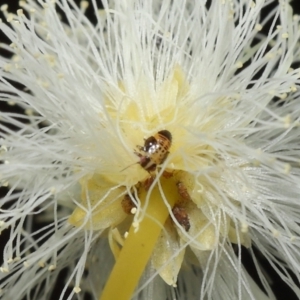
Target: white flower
85,189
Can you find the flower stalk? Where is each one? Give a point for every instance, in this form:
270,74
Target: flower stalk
138,245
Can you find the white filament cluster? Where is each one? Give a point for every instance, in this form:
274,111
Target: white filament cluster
92,91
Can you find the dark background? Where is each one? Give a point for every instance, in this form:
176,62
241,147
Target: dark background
279,287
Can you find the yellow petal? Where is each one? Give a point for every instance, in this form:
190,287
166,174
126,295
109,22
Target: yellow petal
115,241
100,206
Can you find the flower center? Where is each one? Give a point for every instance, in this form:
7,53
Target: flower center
158,184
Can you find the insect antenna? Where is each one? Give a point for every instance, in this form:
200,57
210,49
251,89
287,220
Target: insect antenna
129,166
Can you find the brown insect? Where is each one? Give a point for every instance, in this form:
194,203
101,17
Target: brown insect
182,191
182,217
155,150
127,204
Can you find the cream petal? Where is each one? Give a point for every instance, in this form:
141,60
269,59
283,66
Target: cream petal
167,256
236,236
101,205
202,234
